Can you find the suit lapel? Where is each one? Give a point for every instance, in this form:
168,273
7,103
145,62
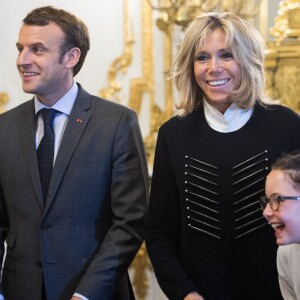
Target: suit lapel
27,125
76,125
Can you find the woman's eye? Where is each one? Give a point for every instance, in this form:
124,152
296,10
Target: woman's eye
227,55
201,57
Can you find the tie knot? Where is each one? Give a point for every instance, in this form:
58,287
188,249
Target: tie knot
48,115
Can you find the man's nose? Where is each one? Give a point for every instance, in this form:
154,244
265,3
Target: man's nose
24,58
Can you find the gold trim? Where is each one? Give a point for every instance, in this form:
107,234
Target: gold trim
121,63
287,22
145,84
263,19
282,56
140,280
4,98
138,88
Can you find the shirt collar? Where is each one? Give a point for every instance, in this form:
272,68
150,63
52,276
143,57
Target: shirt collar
233,119
64,104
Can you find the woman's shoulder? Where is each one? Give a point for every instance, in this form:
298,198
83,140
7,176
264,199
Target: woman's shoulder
275,109
277,114
178,121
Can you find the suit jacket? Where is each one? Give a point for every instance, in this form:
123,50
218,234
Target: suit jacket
85,237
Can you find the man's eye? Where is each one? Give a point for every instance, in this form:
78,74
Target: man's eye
37,50
19,48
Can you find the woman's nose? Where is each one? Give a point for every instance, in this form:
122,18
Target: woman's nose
216,65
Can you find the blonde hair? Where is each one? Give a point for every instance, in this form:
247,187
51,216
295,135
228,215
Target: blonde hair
247,47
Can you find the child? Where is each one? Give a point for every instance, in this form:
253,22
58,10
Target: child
282,211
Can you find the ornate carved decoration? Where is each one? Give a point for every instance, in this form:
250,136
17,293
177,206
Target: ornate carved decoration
145,85
157,115
121,63
138,88
287,22
283,64
282,57
4,98
181,12
140,281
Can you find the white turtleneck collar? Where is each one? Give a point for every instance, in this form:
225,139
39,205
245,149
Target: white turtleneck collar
233,119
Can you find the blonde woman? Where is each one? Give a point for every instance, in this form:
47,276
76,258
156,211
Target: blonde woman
205,233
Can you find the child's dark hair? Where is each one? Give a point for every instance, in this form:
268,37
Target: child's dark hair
290,165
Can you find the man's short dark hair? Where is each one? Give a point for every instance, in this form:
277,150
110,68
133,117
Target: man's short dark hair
76,32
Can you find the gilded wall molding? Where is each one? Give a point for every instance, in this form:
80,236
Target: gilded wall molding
138,88
282,57
120,63
287,22
4,98
141,264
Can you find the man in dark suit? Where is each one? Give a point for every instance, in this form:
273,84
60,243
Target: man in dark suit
78,240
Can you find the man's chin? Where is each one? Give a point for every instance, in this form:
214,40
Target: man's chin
28,90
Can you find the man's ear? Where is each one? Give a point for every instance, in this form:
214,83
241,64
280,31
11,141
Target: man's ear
72,57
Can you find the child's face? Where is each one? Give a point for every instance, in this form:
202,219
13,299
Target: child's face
286,220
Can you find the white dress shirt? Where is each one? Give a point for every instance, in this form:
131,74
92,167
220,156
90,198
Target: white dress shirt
63,105
233,119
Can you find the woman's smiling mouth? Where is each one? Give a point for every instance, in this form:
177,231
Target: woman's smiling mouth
217,82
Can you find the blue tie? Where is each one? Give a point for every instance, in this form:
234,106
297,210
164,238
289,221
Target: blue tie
45,151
